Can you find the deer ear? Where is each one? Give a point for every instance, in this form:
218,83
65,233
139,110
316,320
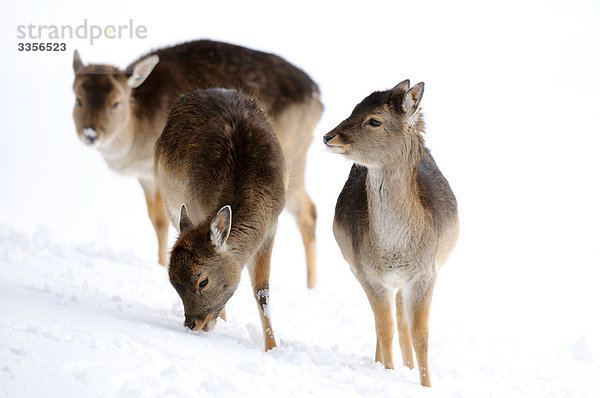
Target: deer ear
412,100
185,223
77,63
398,94
142,70
402,87
220,228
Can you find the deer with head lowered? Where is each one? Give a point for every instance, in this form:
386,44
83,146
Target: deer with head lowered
396,219
221,172
122,113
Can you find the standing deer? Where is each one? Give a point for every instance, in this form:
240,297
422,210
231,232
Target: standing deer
396,219
221,172
122,113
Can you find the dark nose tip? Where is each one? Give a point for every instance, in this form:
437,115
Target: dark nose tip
90,135
91,140
190,323
327,137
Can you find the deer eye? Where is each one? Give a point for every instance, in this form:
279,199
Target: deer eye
374,122
116,105
79,102
203,283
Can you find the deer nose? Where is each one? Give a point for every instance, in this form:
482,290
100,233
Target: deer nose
91,136
327,137
190,323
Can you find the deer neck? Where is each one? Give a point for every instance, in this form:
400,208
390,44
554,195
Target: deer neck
245,238
120,146
396,214
130,151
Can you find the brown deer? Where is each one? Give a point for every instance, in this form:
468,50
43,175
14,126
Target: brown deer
122,113
396,219
221,172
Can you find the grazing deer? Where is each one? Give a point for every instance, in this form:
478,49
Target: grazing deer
396,218
122,113
221,172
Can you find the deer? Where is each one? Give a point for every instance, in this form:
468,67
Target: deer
222,176
121,113
396,218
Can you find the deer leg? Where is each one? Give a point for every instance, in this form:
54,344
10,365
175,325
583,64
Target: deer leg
259,274
381,300
223,314
419,302
295,128
305,214
403,332
158,216
378,357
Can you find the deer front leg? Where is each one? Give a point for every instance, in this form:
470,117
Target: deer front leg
404,332
419,301
381,300
158,216
259,276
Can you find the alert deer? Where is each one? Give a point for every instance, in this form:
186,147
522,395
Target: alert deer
122,113
221,172
396,219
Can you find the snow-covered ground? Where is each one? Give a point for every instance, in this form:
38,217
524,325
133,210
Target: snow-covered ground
511,104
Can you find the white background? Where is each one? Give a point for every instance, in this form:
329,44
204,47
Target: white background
512,112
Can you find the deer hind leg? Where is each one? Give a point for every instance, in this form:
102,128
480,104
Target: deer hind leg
259,275
305,214
382,303
419,302
158,216
403,332
295,128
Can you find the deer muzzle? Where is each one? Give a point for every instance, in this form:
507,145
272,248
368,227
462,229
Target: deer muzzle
90,135
334,143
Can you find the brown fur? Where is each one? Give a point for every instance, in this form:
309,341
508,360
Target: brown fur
219,149
127,133
396,218
158,216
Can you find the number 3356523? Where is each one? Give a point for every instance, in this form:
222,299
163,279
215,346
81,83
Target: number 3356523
42,46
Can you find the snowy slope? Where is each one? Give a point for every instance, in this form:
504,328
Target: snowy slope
511,105
85,320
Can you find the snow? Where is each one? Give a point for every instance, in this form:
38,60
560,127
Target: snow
86,320
511,107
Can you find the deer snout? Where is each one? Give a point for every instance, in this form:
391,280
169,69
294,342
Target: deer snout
190,323
328,137
196,324
334,142
90,135
334,139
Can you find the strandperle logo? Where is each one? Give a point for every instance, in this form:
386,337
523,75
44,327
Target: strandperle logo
82,31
